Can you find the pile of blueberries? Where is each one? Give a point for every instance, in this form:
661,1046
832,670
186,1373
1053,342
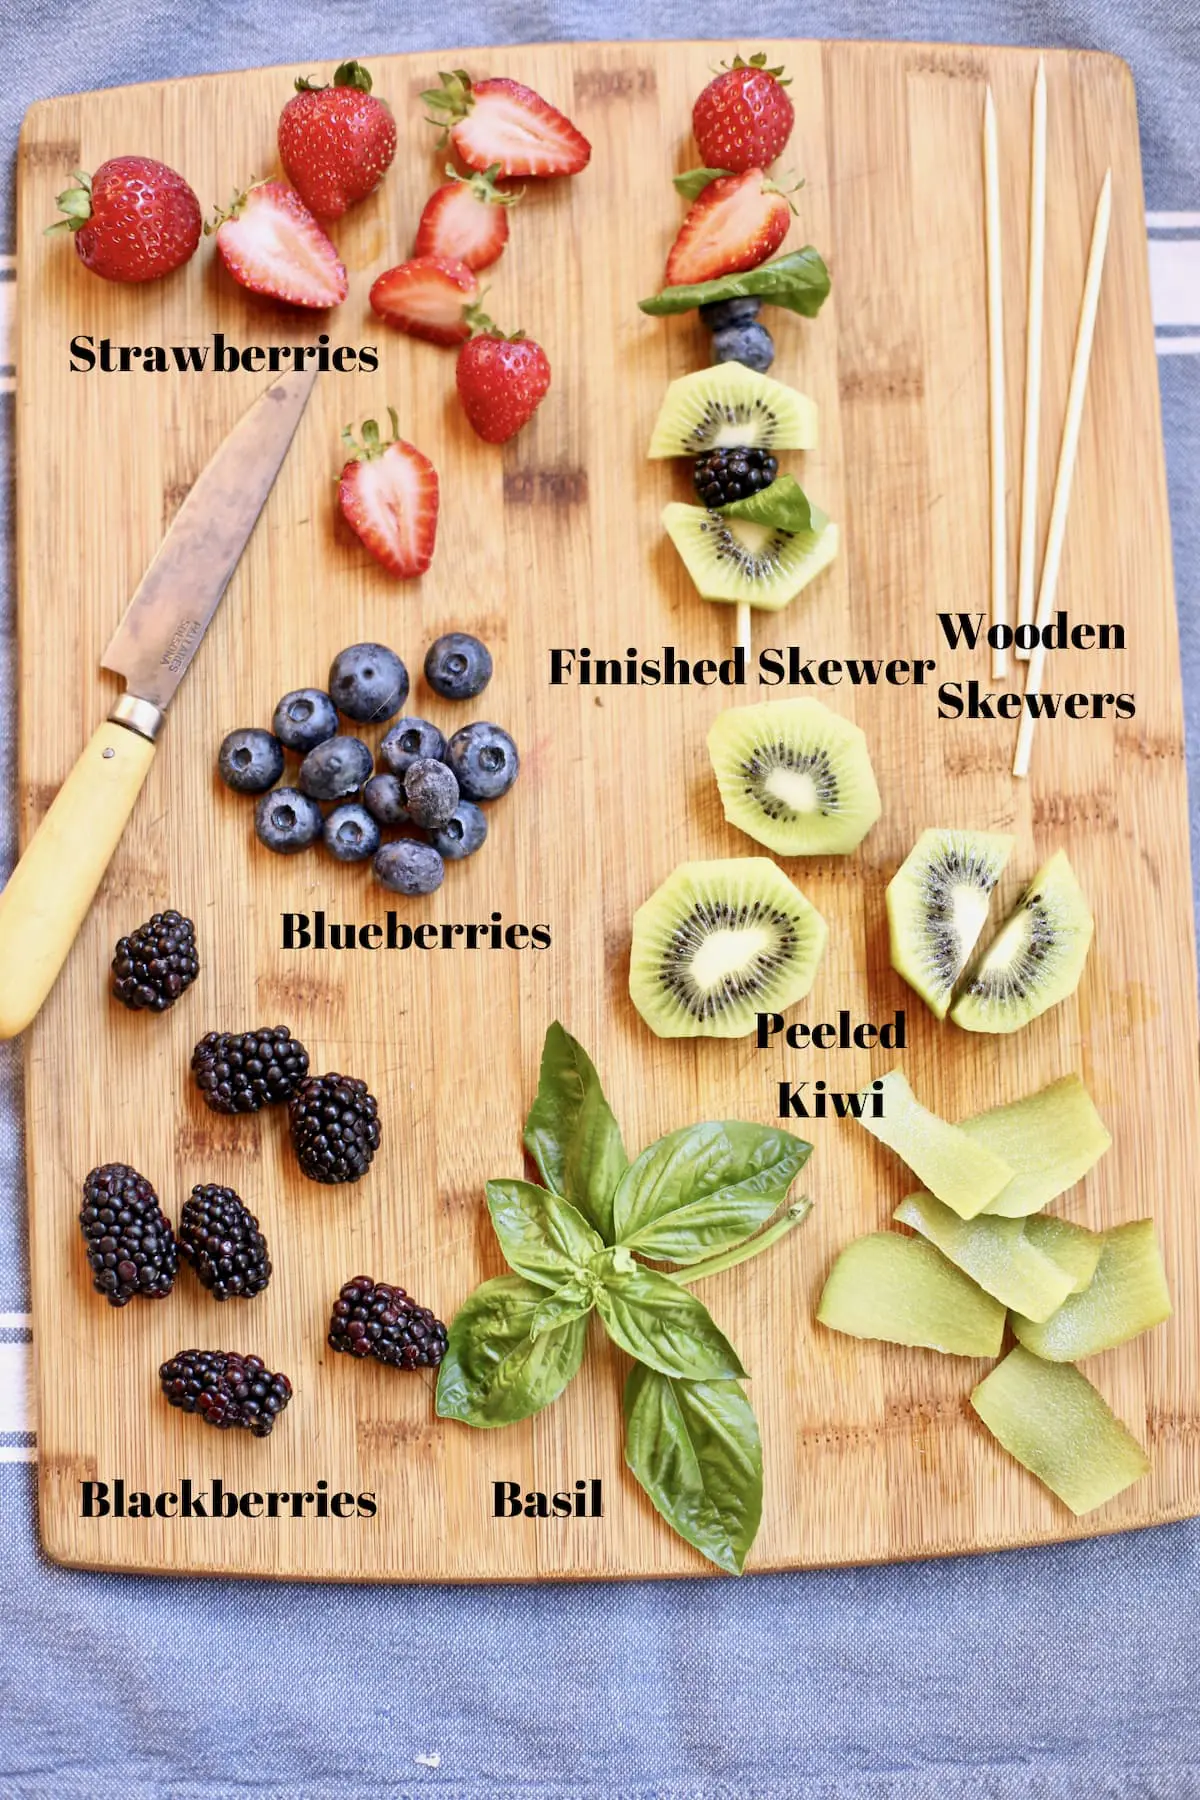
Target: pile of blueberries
432,787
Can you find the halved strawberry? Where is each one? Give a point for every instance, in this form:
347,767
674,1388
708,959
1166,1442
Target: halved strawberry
271,244
388,493
466,219
428,297
735,224
503,122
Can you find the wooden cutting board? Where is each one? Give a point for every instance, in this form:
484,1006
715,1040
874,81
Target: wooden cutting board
871,1453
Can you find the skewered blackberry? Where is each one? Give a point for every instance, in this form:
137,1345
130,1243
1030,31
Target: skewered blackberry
724,475
226,1389
130,1244
156,963
370,1318
220,1237
241,1072
335,1127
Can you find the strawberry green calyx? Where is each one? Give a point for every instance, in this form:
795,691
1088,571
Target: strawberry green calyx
234,209
373,444
482,326
76,203
449,103
347,74
759,61
483,185
785,193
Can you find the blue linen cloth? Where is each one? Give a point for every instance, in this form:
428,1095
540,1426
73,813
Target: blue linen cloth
1036,1675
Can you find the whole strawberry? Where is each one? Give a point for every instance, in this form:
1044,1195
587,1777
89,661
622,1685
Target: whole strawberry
501,382
743,118
336,143
133,220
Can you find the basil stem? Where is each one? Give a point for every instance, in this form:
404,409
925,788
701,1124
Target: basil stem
729,1259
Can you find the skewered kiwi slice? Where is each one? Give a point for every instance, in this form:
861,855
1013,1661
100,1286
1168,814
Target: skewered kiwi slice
741,561
795,776
730,406
1036,959
720,942
937,905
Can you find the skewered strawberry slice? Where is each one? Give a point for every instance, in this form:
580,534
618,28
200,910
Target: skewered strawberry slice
388,493
428,297
467,219
735,223
503,122
271,244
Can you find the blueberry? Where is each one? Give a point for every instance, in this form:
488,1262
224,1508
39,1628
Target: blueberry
458,666
750,344
485,760
383,798
335,769
304,719
431,790
407,740
410,867
250,761
287,820
720,313
368,682
462,834
351,834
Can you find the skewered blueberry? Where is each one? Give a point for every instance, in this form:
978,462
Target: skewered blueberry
458,666
250,761
304,719
739,311
485,760
463,832
335,769
383,798
410,867
287,820
407,740
750,344
351,834
368,682
431,791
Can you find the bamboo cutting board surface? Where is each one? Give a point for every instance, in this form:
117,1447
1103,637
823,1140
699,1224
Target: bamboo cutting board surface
871,1453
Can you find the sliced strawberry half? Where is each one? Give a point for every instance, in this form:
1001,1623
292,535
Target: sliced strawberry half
428,297
388,494
271,244
467,219
735,223
503,122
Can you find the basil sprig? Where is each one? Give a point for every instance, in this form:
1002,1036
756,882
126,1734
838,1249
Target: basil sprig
783,505
692,183
699,1198
798,281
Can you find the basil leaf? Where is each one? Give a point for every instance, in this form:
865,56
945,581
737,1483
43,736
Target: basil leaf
541,1234
494,1372
573,1300
694,1447
799,281
784,505
571,1133
694,181
660,1324
705,1188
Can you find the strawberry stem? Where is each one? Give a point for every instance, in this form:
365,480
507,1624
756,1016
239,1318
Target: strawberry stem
373,443
483,185
451,102
234,209
482,326
76,203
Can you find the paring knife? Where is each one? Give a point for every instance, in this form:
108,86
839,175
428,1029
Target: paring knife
52,886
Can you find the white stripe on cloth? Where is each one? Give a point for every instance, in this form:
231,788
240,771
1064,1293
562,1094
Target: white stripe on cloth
16,1388
1173,221
1175,281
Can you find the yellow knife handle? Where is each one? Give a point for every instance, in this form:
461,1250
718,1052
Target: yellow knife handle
52,886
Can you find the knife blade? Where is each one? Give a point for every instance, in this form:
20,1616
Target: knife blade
52,886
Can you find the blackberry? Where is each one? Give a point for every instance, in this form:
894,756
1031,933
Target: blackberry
724,475
226,1389
156,963
130,1244
219,1236
372,1319
335,1127
241,1072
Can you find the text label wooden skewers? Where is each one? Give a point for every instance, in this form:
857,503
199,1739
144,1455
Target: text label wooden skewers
1066,461
991,185
1033,358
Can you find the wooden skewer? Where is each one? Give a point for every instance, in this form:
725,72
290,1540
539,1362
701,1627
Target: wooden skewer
1033,356
1066,462
743,627
991,220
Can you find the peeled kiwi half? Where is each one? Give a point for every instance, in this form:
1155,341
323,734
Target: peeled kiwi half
720,942
937,905
730,406
1035,960
795,776
740,561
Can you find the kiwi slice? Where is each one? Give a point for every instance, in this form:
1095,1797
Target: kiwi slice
964,1174
741,561
1037,958
995,1253
795,776
1075,1249
720,942
729,406
1126,1296
1054,1422
1050,1139
903,1291
937,903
